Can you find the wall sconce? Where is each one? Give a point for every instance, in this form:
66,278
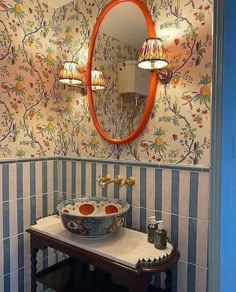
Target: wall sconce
97,80
153,56
70,74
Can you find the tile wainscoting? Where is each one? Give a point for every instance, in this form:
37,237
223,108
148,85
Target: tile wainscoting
31,188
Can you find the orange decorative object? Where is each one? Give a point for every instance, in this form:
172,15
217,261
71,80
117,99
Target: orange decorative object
111,209
86,209
153,80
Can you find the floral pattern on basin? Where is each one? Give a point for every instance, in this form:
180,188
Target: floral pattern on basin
106,216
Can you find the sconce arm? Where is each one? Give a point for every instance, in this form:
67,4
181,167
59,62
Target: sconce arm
164,75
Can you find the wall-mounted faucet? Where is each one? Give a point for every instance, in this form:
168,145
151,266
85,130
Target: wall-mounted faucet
102,181
129,181
106,179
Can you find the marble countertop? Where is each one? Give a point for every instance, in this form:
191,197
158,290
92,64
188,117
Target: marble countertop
125,246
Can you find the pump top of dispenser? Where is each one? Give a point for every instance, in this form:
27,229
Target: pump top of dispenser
153,220
160,225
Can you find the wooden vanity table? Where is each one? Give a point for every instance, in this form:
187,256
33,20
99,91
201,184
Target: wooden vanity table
126,255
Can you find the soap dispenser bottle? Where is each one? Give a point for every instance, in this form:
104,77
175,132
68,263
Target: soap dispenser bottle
152,227
160,236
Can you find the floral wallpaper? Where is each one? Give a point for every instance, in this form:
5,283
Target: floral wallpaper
41,117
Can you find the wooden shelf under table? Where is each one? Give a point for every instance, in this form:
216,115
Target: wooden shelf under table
73,275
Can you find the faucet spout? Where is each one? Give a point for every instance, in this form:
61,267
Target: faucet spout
105,180
102,181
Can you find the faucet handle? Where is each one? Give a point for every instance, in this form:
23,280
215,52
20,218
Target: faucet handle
129,181
119,180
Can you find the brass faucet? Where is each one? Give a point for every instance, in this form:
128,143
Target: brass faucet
129,181
106,179
103,180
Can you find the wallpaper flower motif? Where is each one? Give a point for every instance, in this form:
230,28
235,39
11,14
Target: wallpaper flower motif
40,117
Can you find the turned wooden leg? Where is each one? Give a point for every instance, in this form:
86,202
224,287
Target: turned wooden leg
168,281
33,259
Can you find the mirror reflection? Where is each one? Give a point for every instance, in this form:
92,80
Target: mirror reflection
120,105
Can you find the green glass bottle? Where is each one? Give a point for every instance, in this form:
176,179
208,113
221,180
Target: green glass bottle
152,227
160,236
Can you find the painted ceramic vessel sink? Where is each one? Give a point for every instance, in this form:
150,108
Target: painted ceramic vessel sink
93,217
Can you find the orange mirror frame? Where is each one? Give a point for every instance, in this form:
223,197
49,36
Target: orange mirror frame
153,79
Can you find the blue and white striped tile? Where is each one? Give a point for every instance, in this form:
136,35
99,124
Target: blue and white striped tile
26,178
143,187
14,281
103,173
191,277
38,178
13,253
13,220
21,255
150,188
50,174
11,180
44,176
68,180
32,192
166,218
201,279
50,202
21,280
78,178
7,283
99,173
39,209
59,176
121,190
184,188
175,192
129,190
201,245
1,283
109,189
7,258
193,194
183,237
192,241
1,221
203,195
83,177
136,196
27,261
182,276
2,257
1,198
87,179
73,179
27,279
158,190
116,187
166,190
135,218
25,214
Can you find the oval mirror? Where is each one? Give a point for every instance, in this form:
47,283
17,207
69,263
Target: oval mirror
121,110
